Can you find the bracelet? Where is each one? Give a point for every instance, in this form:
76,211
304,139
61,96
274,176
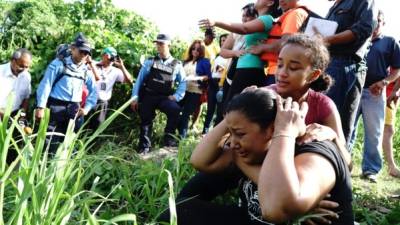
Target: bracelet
283,135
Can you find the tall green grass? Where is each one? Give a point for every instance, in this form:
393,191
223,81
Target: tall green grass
99,179
36,189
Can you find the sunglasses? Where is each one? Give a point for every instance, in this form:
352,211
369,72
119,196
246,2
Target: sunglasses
196,49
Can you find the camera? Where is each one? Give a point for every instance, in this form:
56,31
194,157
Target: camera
114,58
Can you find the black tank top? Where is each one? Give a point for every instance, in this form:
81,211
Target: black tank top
341,191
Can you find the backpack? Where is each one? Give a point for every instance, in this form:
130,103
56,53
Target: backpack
62,52
276,34
310,14
303,25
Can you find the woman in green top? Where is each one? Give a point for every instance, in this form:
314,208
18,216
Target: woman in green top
250,68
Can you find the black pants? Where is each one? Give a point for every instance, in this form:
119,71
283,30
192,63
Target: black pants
194,206
212,104
199,212
245,77
206,186
147,112
221,106
12,154
190,103
61,112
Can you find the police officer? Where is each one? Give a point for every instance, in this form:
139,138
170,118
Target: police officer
61,89
154,89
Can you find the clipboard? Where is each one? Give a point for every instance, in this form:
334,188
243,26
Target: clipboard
325,27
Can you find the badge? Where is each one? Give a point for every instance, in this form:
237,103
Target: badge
103,86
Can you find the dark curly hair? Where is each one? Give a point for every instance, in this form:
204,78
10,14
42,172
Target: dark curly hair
275,11
250,10
319,57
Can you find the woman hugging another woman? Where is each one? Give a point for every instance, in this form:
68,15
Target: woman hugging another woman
278,179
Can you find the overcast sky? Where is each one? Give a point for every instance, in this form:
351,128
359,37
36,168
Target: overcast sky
180,17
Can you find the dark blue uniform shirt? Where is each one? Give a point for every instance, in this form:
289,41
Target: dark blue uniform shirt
384,53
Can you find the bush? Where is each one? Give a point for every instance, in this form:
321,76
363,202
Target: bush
41,25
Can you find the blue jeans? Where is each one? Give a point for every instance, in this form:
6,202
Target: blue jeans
372,110
349,77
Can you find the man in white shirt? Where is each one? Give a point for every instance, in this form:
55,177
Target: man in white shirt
109,70
16,80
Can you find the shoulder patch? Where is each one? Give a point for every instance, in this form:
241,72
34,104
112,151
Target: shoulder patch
52,66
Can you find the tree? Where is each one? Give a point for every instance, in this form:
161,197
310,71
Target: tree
41,25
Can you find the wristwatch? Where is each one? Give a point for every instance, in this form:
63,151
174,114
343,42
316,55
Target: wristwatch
385,82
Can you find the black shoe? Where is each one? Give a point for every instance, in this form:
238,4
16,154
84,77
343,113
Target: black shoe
371,177
144,151
170,143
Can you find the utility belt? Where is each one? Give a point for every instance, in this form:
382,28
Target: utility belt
62,110
58,102
149,91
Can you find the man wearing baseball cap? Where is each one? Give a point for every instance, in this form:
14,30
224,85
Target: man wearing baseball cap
159,85
163,38
109,70
61,87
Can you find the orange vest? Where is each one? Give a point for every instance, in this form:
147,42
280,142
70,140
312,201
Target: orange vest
275,34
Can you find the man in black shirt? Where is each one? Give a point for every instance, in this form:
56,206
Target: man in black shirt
348,50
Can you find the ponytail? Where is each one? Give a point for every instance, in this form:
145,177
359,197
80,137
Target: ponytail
322,83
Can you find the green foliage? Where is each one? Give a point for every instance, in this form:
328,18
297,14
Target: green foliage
41,25
43,190
142,186
100,179
374,203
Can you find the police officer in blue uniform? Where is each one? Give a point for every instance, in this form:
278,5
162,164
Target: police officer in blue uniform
61,89
154,89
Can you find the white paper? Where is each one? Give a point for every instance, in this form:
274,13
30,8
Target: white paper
194,78
324,27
